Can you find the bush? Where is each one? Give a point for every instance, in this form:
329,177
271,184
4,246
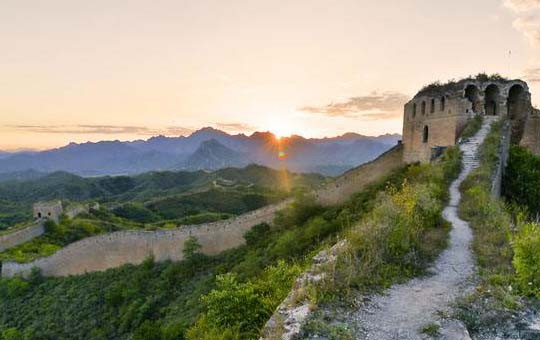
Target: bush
191,247
526,245
402,234
521,183
234,305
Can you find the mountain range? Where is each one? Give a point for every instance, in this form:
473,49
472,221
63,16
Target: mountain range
205,149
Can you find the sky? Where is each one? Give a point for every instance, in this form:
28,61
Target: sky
76,71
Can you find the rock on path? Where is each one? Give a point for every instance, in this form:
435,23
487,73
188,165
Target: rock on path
406,308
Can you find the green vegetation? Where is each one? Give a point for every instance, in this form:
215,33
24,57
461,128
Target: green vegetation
148,201
182,300
526,245
393,242
522,179
432,329
59,235
439,87
155,196
507,257
403,233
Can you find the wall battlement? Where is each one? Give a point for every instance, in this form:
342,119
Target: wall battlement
437,114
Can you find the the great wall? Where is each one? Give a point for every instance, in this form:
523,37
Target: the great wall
20,236
106,251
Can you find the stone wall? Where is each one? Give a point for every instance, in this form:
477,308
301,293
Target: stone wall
15,238
106,251
531,134
358,178
77,209
498,173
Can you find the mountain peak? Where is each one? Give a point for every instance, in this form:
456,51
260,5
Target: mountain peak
208,130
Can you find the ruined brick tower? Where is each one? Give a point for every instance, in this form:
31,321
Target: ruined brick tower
438,113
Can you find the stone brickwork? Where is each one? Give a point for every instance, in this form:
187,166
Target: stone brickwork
358,178
20,236
498,173
531,134
437,115
77,209
106,251
48,210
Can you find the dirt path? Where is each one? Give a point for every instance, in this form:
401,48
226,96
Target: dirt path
406,308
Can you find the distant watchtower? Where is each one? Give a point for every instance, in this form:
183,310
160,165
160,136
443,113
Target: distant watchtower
438,113
48,210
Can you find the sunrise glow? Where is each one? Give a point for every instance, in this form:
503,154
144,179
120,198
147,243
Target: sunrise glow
73,71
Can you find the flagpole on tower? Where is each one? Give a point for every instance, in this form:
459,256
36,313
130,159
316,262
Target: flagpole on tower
508,66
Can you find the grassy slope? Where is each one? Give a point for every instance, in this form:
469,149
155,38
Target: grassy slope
163,300
498,296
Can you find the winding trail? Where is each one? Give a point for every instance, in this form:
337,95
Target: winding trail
406,308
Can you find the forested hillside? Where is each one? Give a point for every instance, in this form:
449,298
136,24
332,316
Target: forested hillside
155,196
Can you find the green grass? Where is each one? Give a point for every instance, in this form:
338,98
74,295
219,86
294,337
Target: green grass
432,329
497,247
402,235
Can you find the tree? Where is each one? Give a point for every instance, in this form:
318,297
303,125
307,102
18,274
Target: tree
191,248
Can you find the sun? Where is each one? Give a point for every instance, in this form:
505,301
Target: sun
281,129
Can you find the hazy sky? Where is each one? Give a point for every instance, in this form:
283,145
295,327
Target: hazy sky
117,69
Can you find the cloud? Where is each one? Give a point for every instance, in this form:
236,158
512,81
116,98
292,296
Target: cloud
529,26
235,127
532,75
527,20
101,129
385,105
522,5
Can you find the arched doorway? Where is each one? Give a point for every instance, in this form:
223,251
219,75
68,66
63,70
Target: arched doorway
491,100
517,102
443,103
519,106
425,134
471,93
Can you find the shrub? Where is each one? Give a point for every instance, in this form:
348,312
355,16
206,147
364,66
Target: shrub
191,247
402,234
526,245
233,304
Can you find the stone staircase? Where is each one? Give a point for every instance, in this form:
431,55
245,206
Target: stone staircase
469,147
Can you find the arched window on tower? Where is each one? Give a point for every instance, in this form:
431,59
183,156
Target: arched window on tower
443,103
423,108
432,106
414,110
425,134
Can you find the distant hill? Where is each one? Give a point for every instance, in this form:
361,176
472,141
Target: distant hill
205,149
169,193
23,175
64,185
212,155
